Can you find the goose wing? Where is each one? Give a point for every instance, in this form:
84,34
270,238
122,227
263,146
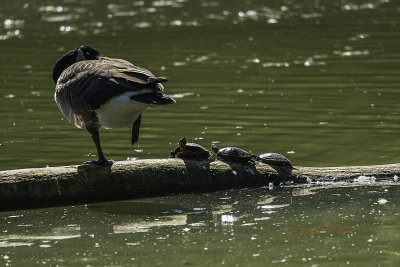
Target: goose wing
89,84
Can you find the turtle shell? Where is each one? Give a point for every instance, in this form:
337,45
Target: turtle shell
198,149
192,150
233,154
274,159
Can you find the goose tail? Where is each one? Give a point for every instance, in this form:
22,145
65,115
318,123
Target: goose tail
153,98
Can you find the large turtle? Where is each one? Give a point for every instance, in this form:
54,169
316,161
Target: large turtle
190,150
232,154
275,160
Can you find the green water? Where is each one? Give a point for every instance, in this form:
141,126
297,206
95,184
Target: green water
320,83
258,227
317,81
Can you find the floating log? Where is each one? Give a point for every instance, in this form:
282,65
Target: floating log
40,187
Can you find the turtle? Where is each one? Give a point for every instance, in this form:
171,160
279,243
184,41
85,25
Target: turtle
190,150
275,160
232,154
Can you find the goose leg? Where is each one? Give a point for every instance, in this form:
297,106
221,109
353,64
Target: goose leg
96,139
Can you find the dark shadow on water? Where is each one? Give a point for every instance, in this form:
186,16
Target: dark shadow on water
240,169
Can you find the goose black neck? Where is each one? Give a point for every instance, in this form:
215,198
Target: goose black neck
63,63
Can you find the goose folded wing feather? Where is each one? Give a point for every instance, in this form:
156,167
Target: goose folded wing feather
97,83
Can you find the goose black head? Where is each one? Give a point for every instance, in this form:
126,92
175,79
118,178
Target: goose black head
79,54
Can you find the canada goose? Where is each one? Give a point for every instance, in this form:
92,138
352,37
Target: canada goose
95,92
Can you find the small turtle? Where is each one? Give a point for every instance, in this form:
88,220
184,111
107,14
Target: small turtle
190,150
275,160
232,154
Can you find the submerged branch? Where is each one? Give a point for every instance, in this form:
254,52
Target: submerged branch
142,178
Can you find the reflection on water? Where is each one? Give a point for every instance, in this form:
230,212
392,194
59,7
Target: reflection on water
242,227
144,226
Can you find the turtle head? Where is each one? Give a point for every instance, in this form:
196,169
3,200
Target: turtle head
78,54
214,148
182,144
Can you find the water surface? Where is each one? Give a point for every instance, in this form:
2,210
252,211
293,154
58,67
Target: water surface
317,82
305,226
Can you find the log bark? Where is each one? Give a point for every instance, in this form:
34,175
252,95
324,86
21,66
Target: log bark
40,187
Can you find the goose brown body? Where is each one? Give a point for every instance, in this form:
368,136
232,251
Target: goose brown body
87,85
95,92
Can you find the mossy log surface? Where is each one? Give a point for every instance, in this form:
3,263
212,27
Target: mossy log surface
28,188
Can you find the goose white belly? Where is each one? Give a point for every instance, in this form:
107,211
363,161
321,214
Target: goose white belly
120,111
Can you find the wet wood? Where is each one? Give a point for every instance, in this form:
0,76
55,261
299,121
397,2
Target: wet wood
40,187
